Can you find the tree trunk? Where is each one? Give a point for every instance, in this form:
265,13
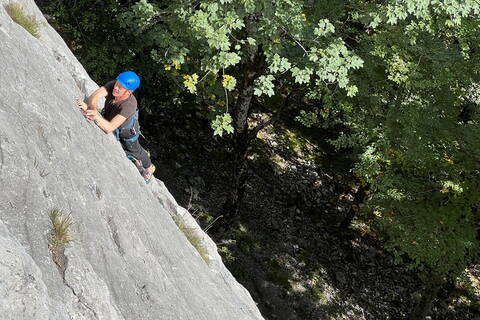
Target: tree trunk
422,306
239,178
358,198
252,68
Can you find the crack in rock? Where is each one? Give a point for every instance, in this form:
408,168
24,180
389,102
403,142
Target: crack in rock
114,231
80,299
61,261
2,157
97,193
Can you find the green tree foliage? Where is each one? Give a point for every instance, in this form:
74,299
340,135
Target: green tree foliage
415,121
417,124
289,41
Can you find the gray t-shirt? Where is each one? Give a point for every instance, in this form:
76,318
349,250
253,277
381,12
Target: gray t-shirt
126,108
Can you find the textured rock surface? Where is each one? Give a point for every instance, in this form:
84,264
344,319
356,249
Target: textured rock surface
128,260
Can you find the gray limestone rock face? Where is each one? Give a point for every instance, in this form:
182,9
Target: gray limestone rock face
128,259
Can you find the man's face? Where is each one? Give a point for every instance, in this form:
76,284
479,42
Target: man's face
119,90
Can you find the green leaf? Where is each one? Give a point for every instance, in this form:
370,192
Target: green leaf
278,64
221,124
352,91
264,85
301,75
324,28
229,82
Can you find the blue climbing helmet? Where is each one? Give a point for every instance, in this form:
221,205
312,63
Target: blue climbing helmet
129,80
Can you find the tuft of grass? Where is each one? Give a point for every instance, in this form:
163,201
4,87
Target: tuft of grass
193,238
61,233
28,22
277,274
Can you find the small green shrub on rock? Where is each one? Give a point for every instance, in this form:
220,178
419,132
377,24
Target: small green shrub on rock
28,22
61,233
193,238
60,237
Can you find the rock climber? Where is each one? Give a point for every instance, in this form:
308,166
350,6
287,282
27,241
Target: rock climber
120,116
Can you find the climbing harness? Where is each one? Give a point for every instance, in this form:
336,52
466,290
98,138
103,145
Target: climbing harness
132,127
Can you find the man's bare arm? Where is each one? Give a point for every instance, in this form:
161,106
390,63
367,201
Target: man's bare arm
92,101
104,124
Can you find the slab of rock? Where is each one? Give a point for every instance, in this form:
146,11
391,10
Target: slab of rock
128,259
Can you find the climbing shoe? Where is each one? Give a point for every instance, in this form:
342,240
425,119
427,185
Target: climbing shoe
148,174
